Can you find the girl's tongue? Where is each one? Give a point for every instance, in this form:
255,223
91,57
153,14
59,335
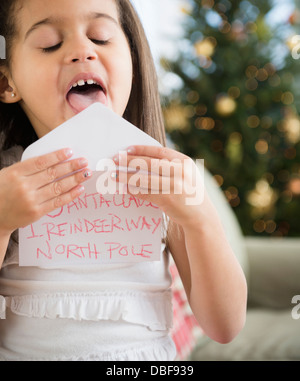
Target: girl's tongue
82,97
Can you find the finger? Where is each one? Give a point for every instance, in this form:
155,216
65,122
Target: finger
58,188
58,171
145,183
40,163
155,152
162,167
62,200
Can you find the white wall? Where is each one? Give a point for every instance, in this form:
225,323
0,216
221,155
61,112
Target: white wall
161,20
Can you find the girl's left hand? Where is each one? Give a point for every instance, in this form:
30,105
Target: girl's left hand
164,177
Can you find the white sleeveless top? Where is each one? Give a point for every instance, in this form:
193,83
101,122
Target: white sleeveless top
105,312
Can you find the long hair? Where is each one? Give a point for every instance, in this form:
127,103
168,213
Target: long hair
143,109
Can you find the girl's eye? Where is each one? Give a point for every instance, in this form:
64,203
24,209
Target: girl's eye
100,42
52,48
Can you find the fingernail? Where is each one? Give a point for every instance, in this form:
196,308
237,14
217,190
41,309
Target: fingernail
80,189
68,152
130,150
114,175
83,162
87,174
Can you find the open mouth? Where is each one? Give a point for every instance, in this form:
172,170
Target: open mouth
84,93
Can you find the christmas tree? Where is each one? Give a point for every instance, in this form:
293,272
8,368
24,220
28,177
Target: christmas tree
238,107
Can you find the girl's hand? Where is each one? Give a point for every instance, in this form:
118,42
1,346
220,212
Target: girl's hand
37,186
165,177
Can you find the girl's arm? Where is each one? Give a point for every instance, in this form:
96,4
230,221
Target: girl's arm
4,239
35,187
212,277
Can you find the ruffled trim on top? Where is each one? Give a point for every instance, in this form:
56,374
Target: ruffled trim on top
153,310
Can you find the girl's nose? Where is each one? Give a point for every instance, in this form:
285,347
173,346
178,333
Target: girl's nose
81,57
80,52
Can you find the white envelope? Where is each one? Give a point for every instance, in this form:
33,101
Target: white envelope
96,133
95,228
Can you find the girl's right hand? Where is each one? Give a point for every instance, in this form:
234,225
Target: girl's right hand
35,187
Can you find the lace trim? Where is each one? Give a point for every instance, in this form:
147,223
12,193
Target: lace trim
157,350
153,310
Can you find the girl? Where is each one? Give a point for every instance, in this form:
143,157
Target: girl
108,312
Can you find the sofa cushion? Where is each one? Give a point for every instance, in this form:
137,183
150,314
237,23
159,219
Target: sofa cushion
274,271
267,335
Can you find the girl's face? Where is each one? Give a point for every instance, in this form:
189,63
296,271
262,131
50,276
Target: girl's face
68,55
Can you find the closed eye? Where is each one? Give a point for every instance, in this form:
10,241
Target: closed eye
100,42
52,48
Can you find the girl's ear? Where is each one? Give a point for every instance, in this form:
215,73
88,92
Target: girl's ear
7,93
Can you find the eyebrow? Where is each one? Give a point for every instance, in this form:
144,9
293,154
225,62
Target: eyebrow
55,20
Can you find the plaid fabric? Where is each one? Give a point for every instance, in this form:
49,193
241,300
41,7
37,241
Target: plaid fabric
185,327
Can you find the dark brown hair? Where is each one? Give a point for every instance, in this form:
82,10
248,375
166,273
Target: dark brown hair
143,109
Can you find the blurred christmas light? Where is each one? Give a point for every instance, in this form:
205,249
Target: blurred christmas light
270,226
262,75
291,127
201,110
293,44
204,123
253,121
186,8
287,98
207,3
294,186
295,17
225,27
176,118
262,198
232,195
251,84
275,80
270,68
259,226
234,92
219,179
225,105
206,47
234,151
262,146
251,71
193,97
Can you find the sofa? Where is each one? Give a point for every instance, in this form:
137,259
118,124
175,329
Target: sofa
272,270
